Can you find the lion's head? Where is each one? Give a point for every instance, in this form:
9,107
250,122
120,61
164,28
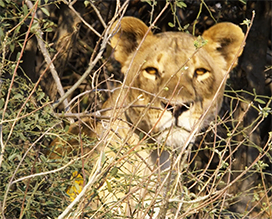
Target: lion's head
171,75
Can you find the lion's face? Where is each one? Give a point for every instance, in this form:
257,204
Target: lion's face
174,79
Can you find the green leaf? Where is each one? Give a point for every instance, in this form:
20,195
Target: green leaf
43,158
49,29
147,1
13,156
114,171
86,3
259,101
45,11
17,30
141,135
103,158
186,26
18,96
34,27
1,33
12,47
109,186
2,4
18,55
25,9
181,4
2,102
171,24
40,96
66,128
243,1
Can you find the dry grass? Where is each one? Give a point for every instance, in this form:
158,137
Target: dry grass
224,167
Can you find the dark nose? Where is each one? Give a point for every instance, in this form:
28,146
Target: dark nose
176,109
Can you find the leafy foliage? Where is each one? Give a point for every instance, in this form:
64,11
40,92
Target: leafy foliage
231,154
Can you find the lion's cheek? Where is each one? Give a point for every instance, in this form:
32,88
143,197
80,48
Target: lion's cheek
147,84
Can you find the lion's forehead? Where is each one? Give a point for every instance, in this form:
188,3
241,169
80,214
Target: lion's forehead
171,51
170,42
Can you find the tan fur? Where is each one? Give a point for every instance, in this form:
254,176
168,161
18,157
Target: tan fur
175,83
168,86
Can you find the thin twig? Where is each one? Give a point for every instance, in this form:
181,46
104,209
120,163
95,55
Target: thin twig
21,161
11,84
113,90
92,63
92,179
26,115
197,125
47,172
83,21
26,101
98,15
97,173
46,55
87,72
130,85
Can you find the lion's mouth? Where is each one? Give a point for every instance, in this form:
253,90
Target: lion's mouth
177,109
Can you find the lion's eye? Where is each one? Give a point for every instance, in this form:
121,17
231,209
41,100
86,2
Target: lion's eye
151,70
200,71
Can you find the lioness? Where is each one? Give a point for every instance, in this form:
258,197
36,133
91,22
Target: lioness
169,83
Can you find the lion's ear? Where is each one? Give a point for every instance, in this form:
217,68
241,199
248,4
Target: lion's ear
225,38
127,34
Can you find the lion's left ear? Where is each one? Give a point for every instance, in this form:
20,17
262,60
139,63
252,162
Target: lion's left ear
127,34
225,38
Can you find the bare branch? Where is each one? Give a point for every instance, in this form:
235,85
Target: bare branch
83,21
46,55
99,15
92,63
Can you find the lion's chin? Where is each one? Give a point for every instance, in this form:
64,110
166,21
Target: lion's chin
176,138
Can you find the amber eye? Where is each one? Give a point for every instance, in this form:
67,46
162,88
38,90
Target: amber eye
200,71
151,70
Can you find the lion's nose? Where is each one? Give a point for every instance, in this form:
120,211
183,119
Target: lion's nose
176,109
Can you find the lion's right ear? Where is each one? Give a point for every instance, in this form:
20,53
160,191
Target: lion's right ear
127,34
224,38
